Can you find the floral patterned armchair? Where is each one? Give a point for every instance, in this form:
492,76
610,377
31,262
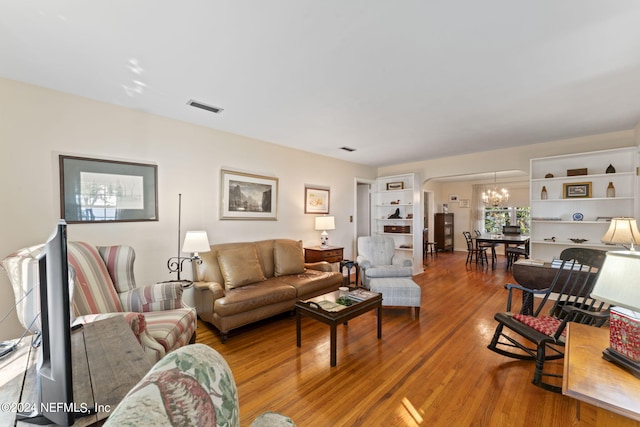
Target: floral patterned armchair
192,386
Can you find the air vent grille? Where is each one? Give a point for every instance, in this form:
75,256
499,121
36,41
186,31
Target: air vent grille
215,110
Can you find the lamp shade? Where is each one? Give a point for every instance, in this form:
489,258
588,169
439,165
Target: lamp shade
619,280
325,223
196,241
622,230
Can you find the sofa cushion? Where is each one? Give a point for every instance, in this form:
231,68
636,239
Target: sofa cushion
254,296
240,266
288,257
313,282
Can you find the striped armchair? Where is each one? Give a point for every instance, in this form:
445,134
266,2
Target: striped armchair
104,286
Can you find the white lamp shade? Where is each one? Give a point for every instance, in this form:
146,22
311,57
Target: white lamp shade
619,280
196,241
622,230
325,223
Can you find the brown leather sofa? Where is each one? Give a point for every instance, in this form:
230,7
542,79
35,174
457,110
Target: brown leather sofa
241,283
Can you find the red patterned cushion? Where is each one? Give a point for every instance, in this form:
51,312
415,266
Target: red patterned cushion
546,324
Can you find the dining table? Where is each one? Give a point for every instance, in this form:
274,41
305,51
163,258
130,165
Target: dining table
502,239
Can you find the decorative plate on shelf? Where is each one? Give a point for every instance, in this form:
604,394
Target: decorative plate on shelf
574,240
578,216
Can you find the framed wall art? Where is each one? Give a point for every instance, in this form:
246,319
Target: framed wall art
576,190
98,190
395,185
248,196
316,200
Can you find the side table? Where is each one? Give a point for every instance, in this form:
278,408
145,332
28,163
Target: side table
606,394
323,253
348,265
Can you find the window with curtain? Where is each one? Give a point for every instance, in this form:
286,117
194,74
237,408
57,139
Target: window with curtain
495,218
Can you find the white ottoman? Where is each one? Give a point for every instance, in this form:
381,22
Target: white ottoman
397,292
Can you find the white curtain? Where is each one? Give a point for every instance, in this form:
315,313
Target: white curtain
477,207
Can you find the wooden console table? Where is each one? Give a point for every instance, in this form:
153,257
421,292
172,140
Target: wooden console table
607,394
107,360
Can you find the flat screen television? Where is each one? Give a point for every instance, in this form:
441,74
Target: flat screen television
54,373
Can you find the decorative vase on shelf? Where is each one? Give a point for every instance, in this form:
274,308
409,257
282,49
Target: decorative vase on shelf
543,193
611,190
611,169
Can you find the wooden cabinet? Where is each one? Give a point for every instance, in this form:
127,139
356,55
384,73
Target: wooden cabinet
397,213
319,253
443,232
577,206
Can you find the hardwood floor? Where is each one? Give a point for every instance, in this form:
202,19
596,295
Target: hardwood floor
431,371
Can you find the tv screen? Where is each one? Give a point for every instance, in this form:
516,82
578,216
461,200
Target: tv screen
54,373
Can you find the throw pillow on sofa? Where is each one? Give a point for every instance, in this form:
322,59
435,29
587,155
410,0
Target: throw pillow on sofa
240,267
288,257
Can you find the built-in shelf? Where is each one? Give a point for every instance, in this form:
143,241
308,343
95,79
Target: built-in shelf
561,209
407,201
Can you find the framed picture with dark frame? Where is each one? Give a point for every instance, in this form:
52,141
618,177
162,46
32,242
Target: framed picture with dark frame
248,196
576,190
395,186
316,200
100,190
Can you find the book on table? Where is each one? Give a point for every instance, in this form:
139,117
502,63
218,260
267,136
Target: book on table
361,295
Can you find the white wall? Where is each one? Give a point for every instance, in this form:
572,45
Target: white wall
37,124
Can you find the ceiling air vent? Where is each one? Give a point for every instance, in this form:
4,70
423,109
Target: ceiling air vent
349,149
215,110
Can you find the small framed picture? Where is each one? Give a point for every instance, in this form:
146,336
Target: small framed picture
453,197
464,203
577,190
395,185
316,200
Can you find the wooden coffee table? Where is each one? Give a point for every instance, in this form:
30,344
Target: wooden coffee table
314,308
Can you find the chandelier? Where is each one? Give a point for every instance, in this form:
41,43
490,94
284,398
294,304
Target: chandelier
494,197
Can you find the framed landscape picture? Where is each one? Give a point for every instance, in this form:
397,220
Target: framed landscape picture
98,190
316,200
248,196
576,190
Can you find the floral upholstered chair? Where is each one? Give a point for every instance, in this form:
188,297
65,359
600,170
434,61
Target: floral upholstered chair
104,286
193,386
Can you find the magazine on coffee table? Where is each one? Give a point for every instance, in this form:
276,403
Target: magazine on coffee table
361,294
330,305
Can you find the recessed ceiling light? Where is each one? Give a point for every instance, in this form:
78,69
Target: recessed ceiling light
349,149
215,110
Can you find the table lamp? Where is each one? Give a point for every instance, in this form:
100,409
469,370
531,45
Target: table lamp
618,284
325,223
624,231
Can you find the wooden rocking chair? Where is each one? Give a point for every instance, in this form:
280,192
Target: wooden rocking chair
543,324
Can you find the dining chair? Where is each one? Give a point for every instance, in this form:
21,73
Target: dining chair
513,253
427,246
488,245
472,250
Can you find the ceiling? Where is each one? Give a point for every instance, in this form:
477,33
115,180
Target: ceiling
398,81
